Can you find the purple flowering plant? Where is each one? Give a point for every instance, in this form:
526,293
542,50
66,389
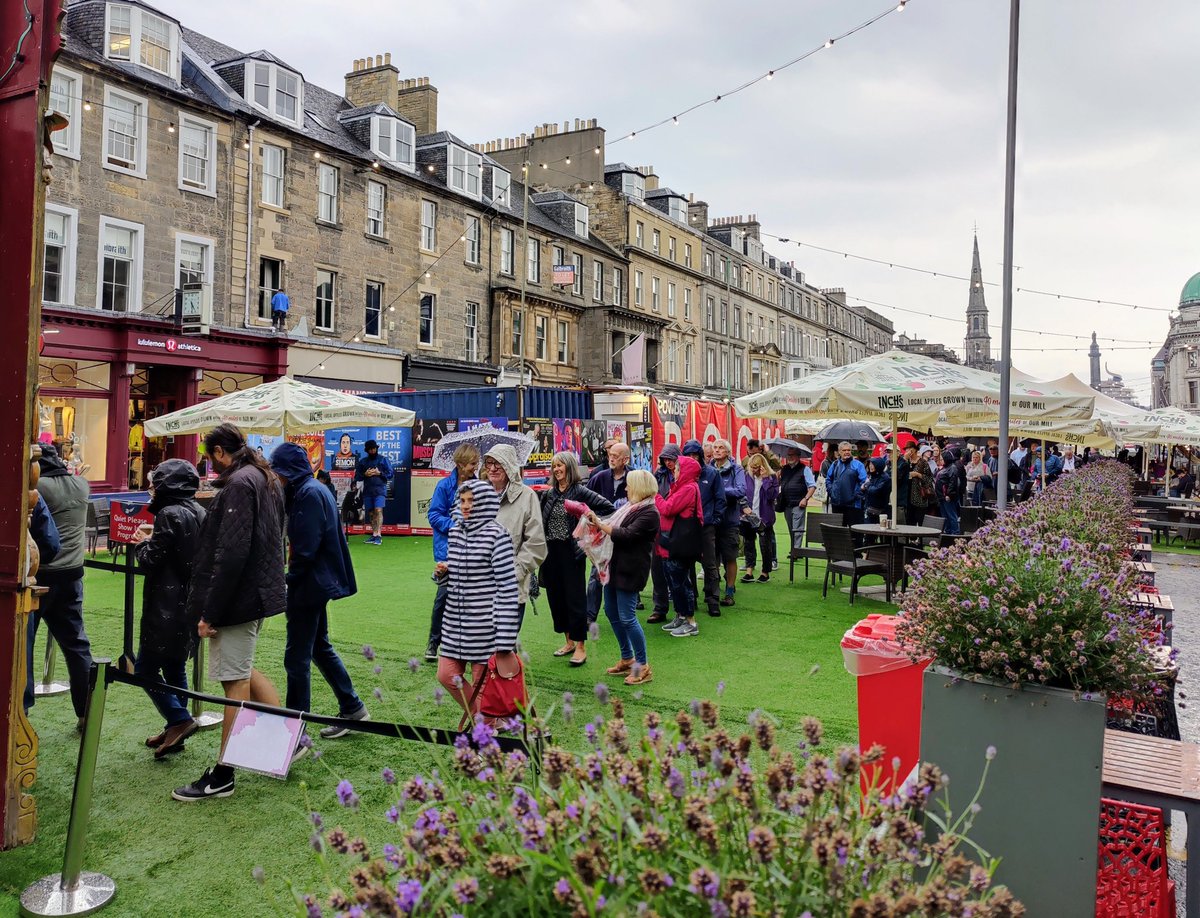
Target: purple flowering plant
1041,594
681,817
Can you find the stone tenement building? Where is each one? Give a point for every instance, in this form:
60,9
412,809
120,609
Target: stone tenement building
1175,369
192,166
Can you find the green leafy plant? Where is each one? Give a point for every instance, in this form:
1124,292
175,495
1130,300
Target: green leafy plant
683,819
1041,595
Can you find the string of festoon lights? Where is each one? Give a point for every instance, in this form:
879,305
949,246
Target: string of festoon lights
674,119
952,276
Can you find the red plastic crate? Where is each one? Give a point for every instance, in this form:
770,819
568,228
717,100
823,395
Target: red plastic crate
1131,876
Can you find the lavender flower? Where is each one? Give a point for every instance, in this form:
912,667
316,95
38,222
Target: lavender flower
368,652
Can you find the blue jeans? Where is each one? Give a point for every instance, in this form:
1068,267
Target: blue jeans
679,581
172,707
950,512
621,608
308,643
62,610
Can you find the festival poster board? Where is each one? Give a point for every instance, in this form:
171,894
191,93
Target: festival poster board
344,446
421,485
469,423
595,433
568,434
426,433
641,446
711,421
395,445
670,422
537,469
313,443
616,430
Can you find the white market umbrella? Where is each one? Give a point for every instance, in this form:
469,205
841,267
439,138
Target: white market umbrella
283,406
913,391
1175,427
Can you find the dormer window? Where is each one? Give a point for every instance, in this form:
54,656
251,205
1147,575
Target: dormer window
581,221
633,185
275,91
138,36
677,209
393,141
501,186
464,169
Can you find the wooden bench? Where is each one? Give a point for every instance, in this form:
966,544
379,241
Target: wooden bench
1162,773
1145,572
1160,605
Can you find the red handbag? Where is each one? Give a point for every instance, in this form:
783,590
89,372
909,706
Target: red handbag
499,697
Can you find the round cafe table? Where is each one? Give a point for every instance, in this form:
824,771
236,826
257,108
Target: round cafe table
892,535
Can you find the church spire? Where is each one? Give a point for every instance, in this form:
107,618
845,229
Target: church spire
1094,360
977,346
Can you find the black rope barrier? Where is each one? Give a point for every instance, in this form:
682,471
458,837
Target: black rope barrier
432,735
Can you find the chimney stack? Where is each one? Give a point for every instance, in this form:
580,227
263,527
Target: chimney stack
372,80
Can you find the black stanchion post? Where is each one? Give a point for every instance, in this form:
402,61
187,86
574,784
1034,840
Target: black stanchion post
128,656
206,719
76,891
48,686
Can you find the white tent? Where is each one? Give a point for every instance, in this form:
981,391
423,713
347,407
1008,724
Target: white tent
283,406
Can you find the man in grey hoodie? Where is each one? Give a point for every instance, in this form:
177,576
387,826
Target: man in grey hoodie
62,607
520,513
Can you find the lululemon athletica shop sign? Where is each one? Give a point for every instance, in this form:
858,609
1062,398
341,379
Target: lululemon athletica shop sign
170,345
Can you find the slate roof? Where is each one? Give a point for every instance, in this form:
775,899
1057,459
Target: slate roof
663,192
366,110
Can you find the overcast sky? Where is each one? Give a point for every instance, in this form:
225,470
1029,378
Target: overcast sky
890,144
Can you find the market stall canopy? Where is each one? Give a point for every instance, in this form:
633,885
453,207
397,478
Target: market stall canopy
914,391
283,406
1176,427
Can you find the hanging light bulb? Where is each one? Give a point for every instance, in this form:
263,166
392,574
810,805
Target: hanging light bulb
320,366
316,154
427,275
597,151
171,128
900,7
675,119
375,164
829,43
462,238
245,145
87,105
431,167
391,309
568,160
770,74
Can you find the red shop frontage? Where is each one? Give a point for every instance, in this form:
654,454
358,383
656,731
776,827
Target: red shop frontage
101,375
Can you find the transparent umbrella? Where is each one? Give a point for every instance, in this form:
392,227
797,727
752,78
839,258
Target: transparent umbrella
483,438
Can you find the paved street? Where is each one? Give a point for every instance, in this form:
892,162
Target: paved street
1179,577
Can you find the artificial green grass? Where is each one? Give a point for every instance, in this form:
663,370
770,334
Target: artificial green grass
777,649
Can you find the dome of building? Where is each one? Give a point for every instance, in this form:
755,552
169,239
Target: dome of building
1191,292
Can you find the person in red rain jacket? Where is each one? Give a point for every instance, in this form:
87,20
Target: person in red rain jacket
681,502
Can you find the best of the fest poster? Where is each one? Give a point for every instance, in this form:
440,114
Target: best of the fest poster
344,446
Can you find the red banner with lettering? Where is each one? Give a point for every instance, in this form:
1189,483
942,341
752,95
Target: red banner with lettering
670,422
711,421
744,430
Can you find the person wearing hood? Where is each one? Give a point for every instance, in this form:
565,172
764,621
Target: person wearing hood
165,554
480,573
733,480
947,484
877,492
564,572
520,514
763,485
664,475
712,499
237,582
681,503
441,519
61,608
373,471
319,570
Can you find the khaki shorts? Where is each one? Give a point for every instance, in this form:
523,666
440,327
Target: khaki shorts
231,652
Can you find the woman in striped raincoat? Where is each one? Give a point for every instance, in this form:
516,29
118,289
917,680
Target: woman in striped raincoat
482,601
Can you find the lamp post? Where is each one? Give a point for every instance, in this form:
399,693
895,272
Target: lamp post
1010,162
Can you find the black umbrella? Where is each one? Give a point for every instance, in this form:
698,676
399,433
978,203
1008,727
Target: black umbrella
850,431
780,446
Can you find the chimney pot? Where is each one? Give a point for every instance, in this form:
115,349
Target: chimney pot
387,58
378,60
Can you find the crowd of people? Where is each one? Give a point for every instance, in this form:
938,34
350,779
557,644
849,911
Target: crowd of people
497,544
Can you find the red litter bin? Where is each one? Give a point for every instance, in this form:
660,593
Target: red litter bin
889,700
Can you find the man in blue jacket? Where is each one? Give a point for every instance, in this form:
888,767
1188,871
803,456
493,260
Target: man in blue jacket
844,484
712,500
374,471
729,524
441,519
319,569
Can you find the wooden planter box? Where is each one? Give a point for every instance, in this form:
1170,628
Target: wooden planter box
1041,801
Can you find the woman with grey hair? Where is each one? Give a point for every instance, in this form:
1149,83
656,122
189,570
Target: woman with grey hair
563,573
